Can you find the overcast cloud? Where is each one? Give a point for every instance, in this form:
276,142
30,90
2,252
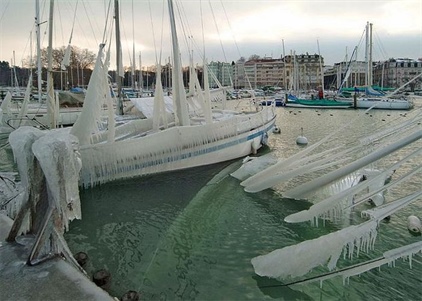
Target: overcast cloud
231,28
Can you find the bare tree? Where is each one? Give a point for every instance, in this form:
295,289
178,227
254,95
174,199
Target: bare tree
254,57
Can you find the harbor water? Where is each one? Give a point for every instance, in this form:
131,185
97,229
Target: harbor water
191,235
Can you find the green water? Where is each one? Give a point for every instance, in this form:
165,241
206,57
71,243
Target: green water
190,235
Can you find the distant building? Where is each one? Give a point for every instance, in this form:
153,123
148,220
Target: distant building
239,81
335,75
292,71
392,73
223,72
396,72
303,71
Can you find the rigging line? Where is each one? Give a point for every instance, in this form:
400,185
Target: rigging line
89,20
153,31
218,31
187,34
4,12
107,20
202,26
325,274
230,27
126,39
60,21
73,24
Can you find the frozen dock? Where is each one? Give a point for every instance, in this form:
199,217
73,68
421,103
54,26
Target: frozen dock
54,279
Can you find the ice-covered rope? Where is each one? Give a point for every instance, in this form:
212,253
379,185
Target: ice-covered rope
285,175
280,165
333,206
388,257
326,250
301,190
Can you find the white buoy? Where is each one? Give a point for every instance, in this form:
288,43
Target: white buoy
414,224
276,129
302,140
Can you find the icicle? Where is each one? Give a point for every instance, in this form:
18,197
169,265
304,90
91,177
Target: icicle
327,248
207,94
388,258
24,109
66,59
158,111
312,253
59,158
337,201
87,122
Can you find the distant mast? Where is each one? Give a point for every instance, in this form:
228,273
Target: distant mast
133,51
39,70
118,59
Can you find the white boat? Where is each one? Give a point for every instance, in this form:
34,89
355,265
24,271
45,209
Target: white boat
158,144
384,103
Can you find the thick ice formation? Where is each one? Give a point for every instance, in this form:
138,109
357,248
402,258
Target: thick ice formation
49,164
59,157
388,257
297,260
253,166
11,194
333,206
89,120
300,191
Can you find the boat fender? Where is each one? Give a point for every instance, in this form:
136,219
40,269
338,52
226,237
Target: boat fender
414,224
256,144
276,130
301,140
264,139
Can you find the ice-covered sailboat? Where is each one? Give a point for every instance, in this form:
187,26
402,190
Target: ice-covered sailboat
159,144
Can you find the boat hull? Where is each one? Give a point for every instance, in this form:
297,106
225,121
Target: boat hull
172,149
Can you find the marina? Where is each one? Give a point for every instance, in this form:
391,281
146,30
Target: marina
197,242
250,180
205,235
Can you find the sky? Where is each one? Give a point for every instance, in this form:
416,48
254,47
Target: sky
224,30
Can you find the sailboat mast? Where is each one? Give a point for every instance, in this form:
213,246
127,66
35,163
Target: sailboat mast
133,49
285,67
370,80
367,53
118,58
39,70
50,88
321,68
179,97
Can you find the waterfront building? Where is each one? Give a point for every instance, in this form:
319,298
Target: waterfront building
394,73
